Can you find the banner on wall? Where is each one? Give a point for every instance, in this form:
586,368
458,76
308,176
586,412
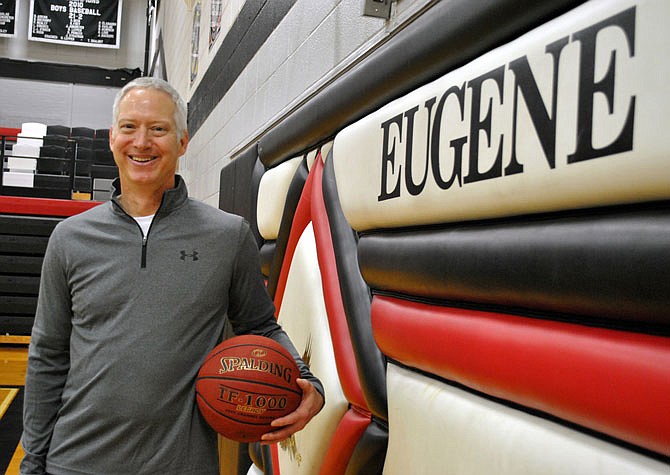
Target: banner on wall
7,18
215,15
156,66
195,42
94,23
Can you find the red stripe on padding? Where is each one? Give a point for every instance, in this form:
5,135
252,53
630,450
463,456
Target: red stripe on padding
614,382
345,359
274,451
43,206
342,445
301,219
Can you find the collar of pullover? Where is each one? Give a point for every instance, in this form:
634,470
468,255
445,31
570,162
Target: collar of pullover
172,198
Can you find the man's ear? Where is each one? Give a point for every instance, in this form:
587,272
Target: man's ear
183,141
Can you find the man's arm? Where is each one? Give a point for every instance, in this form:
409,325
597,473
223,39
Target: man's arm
252,312
48,362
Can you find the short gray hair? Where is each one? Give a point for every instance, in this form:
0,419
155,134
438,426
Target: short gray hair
160,85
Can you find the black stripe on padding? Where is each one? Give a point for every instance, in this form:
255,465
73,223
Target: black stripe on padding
238,187
356,298
370,451
267,253
611,264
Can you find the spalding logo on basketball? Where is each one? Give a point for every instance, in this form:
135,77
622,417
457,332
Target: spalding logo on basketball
244,384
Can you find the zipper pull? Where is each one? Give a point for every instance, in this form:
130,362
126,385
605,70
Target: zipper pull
144,252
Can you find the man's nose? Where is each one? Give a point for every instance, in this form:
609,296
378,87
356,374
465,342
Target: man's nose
141,137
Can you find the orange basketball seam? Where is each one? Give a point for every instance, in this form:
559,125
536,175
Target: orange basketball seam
259,345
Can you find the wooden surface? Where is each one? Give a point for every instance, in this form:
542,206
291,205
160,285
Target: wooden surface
16,339
13,467
13,360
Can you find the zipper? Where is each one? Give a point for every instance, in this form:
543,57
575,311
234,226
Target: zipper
143,264
145,239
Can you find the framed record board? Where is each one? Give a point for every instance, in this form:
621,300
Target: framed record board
7,17
94,23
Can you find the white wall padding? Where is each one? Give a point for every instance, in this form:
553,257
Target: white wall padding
435,428
484,140
325,150
303,316
272,193
311,156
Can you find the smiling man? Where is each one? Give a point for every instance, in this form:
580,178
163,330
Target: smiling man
148,137
126,313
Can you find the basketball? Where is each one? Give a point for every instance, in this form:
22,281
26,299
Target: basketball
244,384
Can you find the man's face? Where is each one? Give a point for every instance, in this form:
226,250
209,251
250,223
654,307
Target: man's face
144,140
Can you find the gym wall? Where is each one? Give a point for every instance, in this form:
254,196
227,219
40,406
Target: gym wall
64,84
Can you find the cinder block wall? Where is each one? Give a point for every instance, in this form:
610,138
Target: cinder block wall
314,42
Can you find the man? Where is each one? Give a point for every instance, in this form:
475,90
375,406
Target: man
134,293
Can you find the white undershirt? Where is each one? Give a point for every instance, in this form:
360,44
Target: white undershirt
144,222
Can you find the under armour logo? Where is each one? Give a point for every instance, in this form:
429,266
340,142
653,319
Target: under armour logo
193,255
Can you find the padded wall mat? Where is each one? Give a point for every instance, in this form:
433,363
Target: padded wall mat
289,206
436,428
238,187
570,115
610,381
355,298
611,264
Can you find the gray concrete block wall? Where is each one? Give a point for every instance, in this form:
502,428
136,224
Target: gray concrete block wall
315,42
55,103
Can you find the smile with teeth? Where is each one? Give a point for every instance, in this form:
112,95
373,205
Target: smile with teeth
141,159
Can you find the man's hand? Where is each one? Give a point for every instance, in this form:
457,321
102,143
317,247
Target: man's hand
311,404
